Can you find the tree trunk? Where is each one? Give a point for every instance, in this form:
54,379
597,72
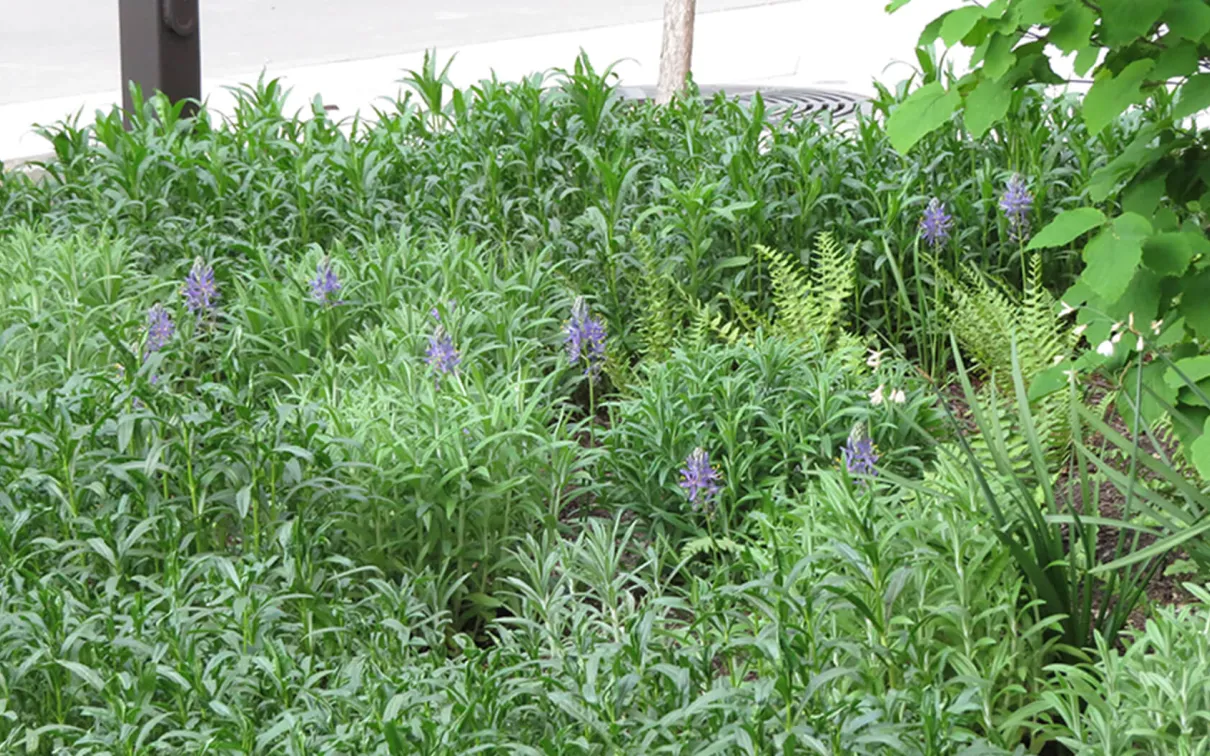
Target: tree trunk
676,53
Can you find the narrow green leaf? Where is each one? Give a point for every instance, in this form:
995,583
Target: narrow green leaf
1067,227
87,674
1159,548
243,500
1194,369
923,111
103,550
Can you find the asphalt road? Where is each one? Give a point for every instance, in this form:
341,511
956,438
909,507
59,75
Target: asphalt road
58,48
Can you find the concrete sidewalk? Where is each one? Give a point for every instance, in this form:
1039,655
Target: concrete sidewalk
819,43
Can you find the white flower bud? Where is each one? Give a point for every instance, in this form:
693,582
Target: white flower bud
876,398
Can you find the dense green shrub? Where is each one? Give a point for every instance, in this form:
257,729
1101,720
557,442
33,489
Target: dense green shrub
1152,697
770,413
1141,224
565,163
865,627
298,453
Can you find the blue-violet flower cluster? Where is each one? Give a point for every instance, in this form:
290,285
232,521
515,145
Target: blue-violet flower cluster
585,338
441,354
936,223
858,453
200,290
699,479
325,285
1016,203
160,330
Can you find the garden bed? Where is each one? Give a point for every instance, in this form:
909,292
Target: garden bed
536,423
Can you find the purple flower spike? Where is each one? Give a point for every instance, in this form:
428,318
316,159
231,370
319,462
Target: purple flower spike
858,453
441,354
585,338
160,330
200,290
935,224
699,479
325,284
1016,203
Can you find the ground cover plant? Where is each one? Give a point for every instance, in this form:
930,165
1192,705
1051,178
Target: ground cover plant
525,419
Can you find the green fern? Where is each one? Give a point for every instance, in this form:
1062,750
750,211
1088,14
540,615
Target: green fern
982,315
797,311
807,306
1043,337
728,330
658,319
986,316
747,318
698,337
704,544
833,273
811,305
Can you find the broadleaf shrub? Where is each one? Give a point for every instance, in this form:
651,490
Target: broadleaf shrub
1142,227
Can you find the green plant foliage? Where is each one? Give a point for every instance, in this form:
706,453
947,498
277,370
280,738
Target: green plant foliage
1052,528
561,161
811,307
1146,261
660,319
988,319
1150,698
295,457
772,411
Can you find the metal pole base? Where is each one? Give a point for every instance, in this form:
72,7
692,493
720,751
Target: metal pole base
161,50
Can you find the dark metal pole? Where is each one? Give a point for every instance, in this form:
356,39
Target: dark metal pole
161,49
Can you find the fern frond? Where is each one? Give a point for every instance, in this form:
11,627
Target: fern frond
657,320
833,272
727,330
810,306
748,318
1043,338
798,313
985,317
982,316
704,544
700,329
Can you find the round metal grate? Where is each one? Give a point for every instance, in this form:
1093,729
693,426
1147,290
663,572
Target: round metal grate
798,102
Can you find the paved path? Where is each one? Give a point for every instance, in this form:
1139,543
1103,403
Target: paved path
54,48
353,61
